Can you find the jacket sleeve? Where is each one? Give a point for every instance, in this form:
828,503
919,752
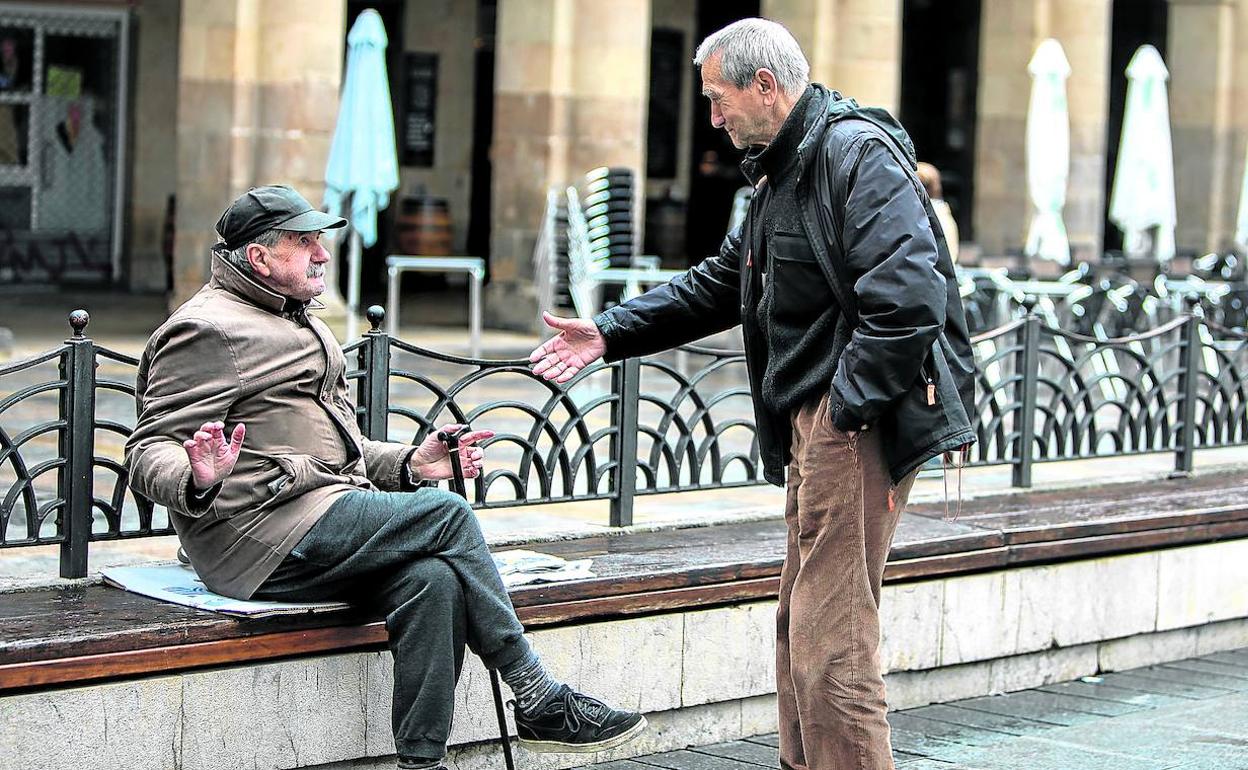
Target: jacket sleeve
890,261
190,378
704,300
384,461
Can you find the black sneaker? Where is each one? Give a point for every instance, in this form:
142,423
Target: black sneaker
576,723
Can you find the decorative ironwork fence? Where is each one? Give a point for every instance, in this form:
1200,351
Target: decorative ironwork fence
680,421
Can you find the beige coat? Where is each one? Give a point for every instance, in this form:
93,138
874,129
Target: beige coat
238,352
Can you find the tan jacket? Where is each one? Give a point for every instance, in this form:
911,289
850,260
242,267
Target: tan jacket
239,352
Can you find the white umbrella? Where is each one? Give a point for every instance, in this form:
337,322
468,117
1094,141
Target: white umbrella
362,165
1241,221
1048,152
1143,194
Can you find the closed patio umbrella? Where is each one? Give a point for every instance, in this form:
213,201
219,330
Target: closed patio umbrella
363,166
1048,152
1143,192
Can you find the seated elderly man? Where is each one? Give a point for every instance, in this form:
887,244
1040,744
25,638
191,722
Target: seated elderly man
295,504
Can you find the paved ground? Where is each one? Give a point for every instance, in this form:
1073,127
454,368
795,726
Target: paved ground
1187,715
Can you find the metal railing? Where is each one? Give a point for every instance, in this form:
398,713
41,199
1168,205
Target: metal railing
668,423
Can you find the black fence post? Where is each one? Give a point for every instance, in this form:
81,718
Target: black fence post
375,388
1189,378
76,483
626,387
1027,396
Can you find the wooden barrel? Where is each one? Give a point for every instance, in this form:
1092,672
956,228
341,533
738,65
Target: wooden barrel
424,226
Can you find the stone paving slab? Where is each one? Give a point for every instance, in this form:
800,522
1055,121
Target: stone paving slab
1111,693
1186,715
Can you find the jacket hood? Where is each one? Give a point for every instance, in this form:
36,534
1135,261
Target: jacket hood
836,107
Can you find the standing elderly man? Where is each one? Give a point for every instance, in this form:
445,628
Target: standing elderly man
858,359
295,504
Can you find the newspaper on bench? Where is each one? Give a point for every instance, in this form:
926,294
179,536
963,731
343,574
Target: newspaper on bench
520,567
179,584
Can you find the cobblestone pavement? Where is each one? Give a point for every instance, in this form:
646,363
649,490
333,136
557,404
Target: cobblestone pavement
1187,715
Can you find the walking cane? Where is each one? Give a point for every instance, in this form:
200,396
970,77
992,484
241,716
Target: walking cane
451,439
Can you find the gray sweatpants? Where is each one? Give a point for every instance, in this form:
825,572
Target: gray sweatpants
419,559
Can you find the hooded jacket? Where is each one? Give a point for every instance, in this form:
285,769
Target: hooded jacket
904,364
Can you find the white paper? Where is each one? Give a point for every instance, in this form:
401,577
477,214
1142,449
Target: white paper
179,584
520,567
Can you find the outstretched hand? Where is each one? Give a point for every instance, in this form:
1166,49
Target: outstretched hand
577,345
432,461
212,456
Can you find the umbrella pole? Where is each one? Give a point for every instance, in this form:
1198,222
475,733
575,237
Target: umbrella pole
353,285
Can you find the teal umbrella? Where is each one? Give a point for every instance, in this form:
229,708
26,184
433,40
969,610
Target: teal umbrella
363,167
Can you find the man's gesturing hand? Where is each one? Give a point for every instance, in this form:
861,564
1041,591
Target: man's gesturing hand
577,345
431,460
212,457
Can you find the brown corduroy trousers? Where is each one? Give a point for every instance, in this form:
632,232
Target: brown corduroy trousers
841,513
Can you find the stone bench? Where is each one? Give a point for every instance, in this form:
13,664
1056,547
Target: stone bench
695,605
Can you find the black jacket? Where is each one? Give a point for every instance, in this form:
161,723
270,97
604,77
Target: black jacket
878,244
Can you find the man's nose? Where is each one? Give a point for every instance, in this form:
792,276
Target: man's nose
321,254
717,117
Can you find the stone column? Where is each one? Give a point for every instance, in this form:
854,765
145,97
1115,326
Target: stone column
257,100
1083,27
154,153
1010,31
1201,59
571,81
853,46
1239,115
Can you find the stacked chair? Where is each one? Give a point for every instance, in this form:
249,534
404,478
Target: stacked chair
608,204
550,255
586,253
592,279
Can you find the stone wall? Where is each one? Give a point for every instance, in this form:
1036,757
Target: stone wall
1207,171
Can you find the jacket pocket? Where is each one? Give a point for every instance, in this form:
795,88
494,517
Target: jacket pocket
298,474
916,428
800,291
946,386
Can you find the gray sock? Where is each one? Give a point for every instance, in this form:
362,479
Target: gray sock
419,764
529,682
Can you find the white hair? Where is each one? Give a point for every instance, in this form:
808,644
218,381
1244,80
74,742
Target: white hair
749,45
238,257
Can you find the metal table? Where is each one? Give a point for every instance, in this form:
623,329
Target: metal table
474,267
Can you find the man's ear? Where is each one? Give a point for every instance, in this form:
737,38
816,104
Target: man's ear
767,85
259,256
